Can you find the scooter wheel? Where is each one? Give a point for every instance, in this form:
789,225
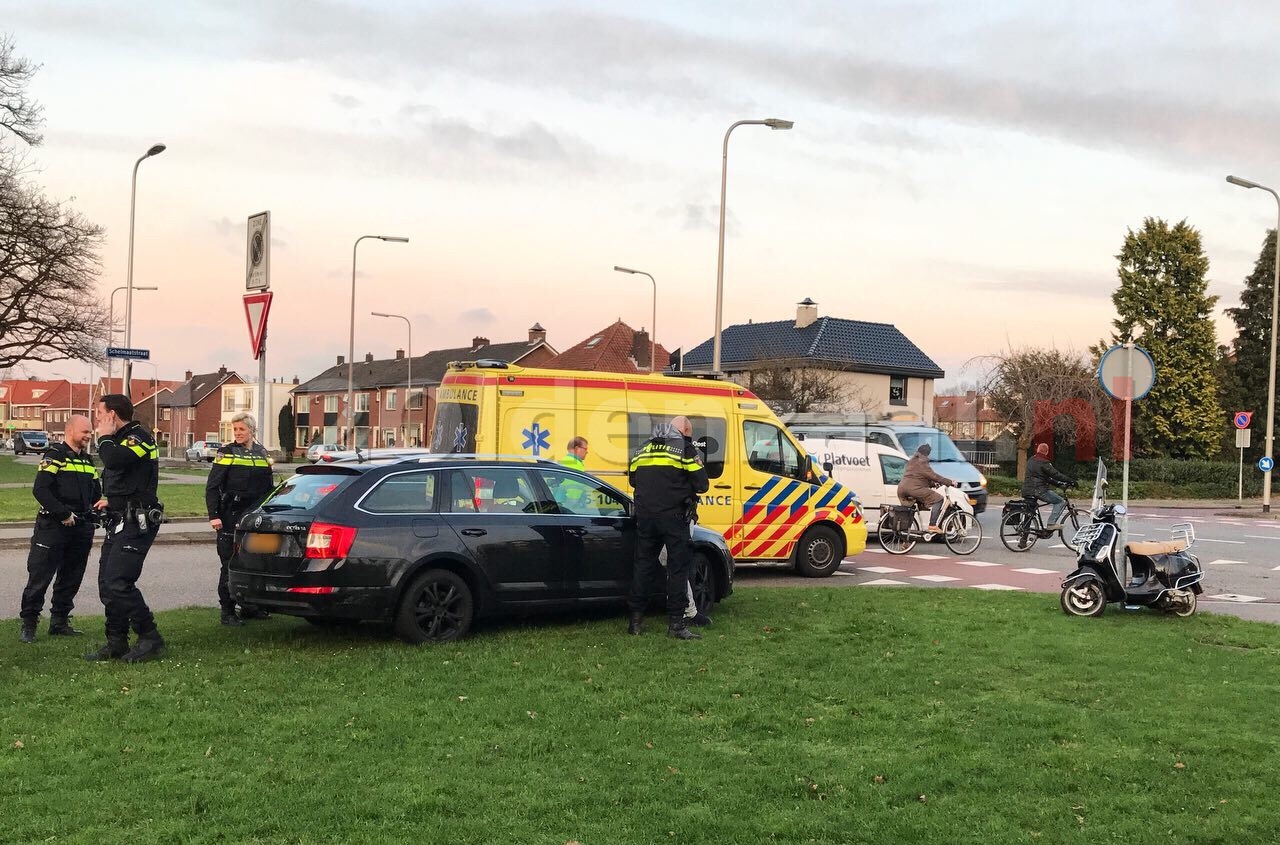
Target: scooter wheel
1185,607
1083,598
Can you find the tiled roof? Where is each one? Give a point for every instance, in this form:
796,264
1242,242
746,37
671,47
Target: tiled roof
615,349
848,344
27,392
967,408
428,369
142,387
196,390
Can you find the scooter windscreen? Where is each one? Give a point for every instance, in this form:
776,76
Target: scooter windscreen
1099,487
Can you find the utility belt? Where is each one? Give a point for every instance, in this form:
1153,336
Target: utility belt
144,516
46,519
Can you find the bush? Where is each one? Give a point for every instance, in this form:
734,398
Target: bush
1155,478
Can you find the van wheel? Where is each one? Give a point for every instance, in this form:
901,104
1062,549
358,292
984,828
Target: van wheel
436,608
819,553
703,582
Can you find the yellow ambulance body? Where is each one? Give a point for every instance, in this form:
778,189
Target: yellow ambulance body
766,497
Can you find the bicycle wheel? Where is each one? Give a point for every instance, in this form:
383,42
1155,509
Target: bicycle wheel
962,533
1070,528
895,542
1018,531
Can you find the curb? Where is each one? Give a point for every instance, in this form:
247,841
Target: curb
175,538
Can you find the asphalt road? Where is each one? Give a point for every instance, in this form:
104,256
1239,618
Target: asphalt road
1241,558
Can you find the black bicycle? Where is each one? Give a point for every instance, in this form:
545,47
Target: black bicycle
1021,524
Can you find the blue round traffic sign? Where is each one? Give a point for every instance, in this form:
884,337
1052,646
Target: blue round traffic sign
1243,418
1266,464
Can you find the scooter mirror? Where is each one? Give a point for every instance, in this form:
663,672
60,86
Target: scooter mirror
1121,510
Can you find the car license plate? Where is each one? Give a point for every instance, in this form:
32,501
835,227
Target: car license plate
263,544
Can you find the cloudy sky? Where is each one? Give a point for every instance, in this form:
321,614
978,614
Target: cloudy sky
966,172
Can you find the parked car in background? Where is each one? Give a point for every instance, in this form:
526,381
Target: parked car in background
30,441
430,544
317,450
203,450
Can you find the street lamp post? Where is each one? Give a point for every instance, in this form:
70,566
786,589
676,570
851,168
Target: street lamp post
408,390
155,150
351,345
772,123
155,397
1271,378
111,324
653,326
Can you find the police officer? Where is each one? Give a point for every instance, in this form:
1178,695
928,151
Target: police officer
66,487
239,481
667,477
133,513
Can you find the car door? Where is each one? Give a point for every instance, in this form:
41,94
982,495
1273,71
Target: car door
597,534
510,533
777,496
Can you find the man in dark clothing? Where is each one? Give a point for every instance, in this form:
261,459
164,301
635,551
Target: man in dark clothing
66,487
667,478
239,481
1041,473
130,478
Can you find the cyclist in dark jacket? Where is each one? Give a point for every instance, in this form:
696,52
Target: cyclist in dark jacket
1041,475
667,477
238,482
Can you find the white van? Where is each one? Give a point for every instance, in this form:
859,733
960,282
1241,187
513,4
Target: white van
870,471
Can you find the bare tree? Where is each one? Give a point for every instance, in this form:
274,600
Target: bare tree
49,309
801,389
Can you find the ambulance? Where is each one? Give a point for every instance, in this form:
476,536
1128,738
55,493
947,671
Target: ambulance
767,497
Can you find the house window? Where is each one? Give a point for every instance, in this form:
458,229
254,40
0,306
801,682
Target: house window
300,405
191,413
167,414
362,402
228,400
415,400
330,407
390,404
389,437
897,390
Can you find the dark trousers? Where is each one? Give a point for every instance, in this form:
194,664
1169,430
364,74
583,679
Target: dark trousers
57,552
123,553
226,551
652,534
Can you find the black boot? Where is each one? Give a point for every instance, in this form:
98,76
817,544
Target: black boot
230,619
700,619
28,632
117,646
148,647
60,626
635,623
681,631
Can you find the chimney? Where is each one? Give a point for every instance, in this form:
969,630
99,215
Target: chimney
479,343
295,379
342,359
368,357
222,371
537,334
806,313
187,377
399,354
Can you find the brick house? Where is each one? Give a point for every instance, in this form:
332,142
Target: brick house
615,349
976,427
195,408
381,393
28,400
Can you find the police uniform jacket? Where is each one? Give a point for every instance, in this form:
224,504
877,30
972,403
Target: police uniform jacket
667,477
240,480
131,467
66,483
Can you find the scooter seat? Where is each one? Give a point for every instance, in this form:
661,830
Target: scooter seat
1156,547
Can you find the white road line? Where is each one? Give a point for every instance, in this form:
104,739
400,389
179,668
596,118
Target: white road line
1236,598
1224,562
1263,536
995,587
880,570
1232,542
975,563
884,582
1033,571
928,557
939,579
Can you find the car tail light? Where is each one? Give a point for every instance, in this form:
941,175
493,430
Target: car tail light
327,458
313,591
328,541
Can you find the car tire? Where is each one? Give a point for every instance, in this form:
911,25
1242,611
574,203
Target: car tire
820,552
703,581
437,607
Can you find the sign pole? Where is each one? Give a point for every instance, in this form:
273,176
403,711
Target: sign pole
263,422
1128,446
1240,483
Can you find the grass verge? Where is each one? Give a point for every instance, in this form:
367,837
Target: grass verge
18,505
807,715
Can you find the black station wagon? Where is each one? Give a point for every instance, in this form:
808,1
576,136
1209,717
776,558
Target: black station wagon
431,543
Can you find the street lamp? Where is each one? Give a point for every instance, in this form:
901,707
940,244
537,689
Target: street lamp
351,346
772,123
155,396
111,322
155,150
653,327
1271,378
408,391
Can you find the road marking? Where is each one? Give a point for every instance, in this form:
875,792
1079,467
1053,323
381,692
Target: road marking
1224,561
940,579
928,557
880,570
842,572
1263,537
875,551
1033,571
1232,542
995,587
884,582
1236,598
975,563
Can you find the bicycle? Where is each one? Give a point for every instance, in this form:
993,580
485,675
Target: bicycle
1021,524
900,530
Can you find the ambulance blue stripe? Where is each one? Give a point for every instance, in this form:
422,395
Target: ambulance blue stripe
828,496
763,491
780,499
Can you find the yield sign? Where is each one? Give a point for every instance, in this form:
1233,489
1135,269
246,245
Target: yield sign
256,308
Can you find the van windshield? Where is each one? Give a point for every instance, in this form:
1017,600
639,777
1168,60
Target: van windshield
944,451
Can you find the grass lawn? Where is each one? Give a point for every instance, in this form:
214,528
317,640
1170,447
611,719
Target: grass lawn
807,715
12,472
18,505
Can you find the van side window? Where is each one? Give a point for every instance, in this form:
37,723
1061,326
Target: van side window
879,437
891,468
768,451
709,435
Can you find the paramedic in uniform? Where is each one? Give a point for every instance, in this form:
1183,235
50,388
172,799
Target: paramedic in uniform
130,477
66,487
238,482
667,477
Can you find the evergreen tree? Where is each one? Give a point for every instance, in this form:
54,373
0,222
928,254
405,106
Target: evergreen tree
287,430
1163,305
1250,359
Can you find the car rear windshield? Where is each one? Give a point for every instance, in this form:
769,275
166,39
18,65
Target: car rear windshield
304,491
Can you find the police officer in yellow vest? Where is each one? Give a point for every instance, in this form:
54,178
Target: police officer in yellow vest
239,481
66,487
